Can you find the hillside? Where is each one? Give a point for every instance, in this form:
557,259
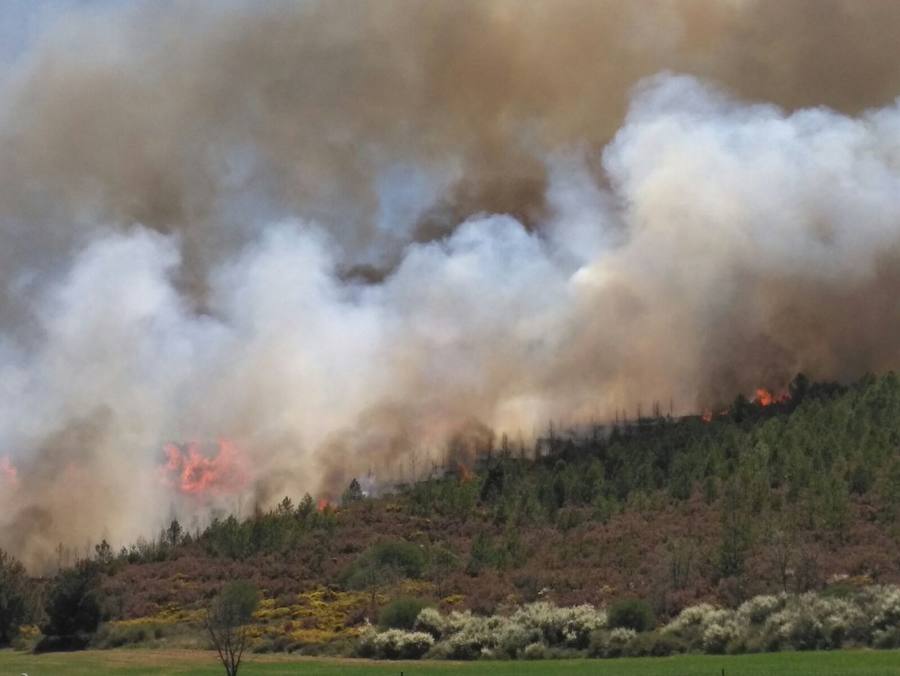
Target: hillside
793,495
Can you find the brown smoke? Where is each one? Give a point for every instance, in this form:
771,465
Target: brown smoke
341,233
198,117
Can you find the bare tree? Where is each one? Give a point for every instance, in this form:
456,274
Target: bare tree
226,621
783,545
413,462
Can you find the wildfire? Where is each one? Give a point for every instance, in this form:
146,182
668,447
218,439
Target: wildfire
765,397
192,472
761,397
322,505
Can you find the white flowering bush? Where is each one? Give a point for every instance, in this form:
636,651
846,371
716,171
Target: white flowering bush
618,639
716,637
395,644
570,627
466,636
758,609
885,607
856,617
431,621
516,637
692,623
535,651
470,639
812,621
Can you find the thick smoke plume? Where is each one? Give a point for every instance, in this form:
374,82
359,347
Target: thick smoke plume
342,235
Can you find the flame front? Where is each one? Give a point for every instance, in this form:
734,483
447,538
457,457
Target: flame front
192,472
764,397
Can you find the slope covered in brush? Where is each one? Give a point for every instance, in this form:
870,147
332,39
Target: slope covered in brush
759,499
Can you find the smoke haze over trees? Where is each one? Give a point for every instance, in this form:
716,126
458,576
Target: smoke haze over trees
337,233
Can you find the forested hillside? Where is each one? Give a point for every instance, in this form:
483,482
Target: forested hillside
792,495
759,498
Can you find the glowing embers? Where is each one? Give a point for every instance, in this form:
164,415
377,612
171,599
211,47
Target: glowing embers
761,397
209,469
764,397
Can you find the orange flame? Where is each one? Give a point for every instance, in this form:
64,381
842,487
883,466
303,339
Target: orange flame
192,472
706,416
323,504
765,397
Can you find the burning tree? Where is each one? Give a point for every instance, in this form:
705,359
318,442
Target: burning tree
226,622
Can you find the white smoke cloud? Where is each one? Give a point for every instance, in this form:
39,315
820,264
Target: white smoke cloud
711,247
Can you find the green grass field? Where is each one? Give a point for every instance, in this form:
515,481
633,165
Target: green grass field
134,662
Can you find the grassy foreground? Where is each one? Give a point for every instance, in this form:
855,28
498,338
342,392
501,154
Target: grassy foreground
200,663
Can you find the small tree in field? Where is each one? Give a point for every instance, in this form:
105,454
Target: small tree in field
226,621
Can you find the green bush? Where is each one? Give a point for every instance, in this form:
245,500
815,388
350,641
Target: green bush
383,562
73,608
887,638
614,643
655,644
13,597
631,614
272,644
116,636
401,613
535,651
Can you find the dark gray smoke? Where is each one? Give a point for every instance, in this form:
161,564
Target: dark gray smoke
348,234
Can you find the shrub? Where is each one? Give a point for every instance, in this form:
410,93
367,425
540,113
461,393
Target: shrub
116,635
395,644
73,608
431,622
27,638
611,643
716,637
13,598
759,608
516,639
801,622
535,651
384,561
886,611
466,636
655,644
476,635
571,627
631,614
401,613
887,638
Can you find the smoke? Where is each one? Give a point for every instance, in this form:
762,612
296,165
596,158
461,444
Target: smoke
345,235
